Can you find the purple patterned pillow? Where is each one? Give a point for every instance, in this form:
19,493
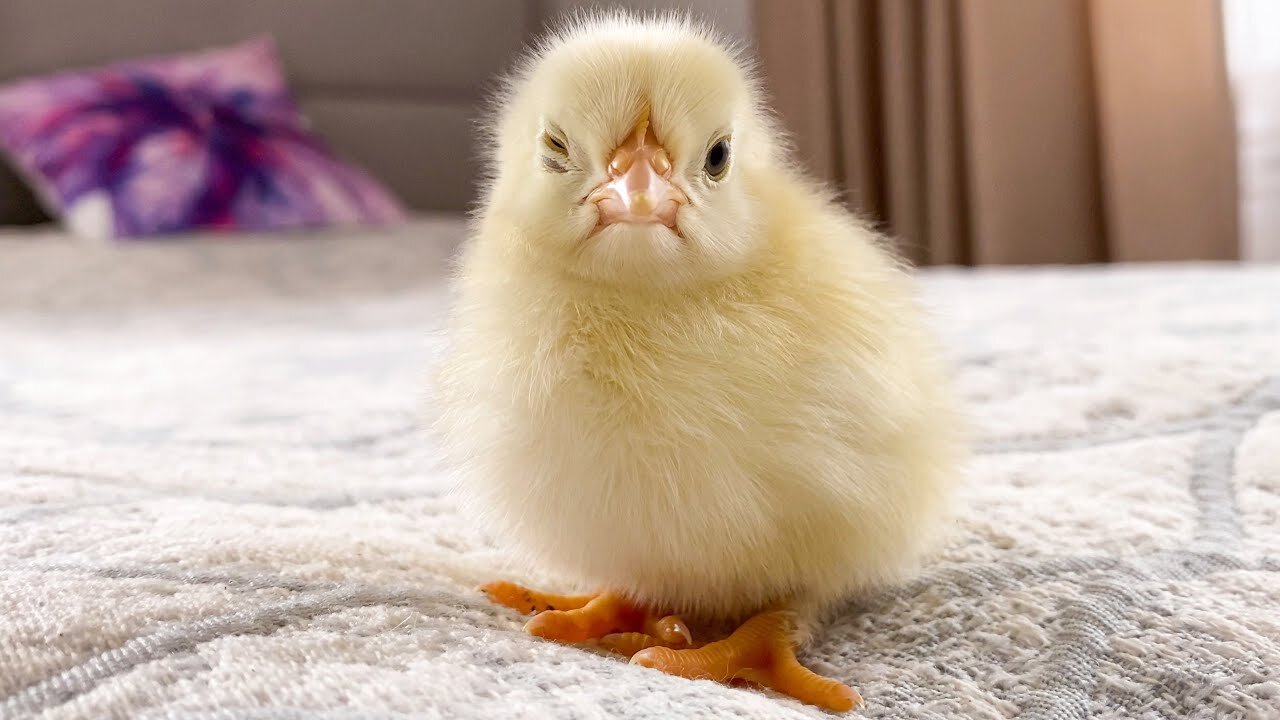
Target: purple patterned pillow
207,141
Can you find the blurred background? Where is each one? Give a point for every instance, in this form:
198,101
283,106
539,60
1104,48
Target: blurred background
975,131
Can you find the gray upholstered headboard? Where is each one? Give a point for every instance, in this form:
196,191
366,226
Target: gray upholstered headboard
392,84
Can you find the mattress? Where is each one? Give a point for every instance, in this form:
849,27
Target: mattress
217,500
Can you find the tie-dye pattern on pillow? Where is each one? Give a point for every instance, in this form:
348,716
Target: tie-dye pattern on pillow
210,141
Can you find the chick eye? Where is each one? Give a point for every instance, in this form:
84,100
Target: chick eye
555,144
559,148
717,163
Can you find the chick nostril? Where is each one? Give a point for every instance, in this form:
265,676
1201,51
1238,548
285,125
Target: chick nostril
619,164
661,164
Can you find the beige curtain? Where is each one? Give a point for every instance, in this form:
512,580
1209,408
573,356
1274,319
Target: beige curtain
1015,131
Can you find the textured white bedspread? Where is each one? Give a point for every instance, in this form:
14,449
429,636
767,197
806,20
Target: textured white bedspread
216,501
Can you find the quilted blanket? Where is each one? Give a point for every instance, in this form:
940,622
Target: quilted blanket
217,501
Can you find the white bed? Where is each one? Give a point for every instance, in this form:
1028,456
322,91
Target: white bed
216,500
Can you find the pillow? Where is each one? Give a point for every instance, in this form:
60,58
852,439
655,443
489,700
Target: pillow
210,141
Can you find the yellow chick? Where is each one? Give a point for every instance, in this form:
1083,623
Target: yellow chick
679,371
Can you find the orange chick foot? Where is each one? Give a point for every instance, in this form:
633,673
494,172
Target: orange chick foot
613,622
761,652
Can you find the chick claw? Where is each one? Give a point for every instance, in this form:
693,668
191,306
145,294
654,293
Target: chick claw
760,651
614,622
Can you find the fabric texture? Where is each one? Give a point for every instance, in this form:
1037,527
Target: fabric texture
991,132
216,500
202,141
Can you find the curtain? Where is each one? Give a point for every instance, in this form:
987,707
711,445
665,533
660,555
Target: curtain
1253,64
1015,131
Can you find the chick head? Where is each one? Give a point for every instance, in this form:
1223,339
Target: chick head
624,151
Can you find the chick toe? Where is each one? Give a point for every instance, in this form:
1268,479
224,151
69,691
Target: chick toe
761,652
627,644
669,631
615,623
602,615
529,601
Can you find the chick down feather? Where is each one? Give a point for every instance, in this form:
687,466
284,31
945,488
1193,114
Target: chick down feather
742,411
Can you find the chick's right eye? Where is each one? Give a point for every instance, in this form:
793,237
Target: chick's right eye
717,160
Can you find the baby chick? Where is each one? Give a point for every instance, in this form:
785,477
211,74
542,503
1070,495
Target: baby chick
679,371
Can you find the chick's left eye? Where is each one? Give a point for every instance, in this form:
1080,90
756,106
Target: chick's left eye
554,143
717,160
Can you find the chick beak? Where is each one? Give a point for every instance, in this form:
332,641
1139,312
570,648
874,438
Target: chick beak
639,188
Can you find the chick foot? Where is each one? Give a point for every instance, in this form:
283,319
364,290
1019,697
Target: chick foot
607,620
760,652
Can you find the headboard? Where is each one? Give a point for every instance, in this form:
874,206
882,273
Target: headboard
392,84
